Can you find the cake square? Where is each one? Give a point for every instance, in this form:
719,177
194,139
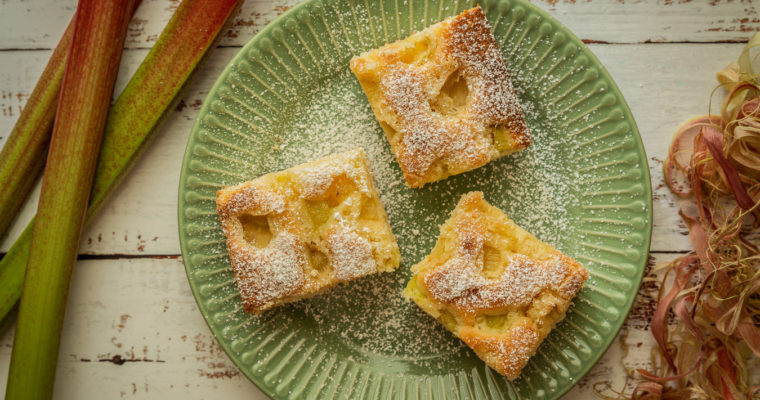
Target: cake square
444,98
295,233
494,285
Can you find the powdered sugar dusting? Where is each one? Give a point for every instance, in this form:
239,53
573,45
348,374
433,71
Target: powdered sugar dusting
374,317
508,353
252,212
370,315
495,102
313,181
520,346
351,253
249,198
425,136
270,273
459,281
464,46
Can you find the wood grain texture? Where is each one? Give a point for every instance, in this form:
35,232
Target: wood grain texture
133,330
37,24
141,216
658,21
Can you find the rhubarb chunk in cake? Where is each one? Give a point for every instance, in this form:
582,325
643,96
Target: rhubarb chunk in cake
296,233
494,285
444,98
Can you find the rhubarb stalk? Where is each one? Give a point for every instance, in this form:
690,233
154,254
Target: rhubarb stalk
22,158
98,38
23,155
187,39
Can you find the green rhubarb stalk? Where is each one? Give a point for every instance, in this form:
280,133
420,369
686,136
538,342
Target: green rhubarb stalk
190,35
100,28
22,158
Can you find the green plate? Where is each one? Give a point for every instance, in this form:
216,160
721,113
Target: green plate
289,97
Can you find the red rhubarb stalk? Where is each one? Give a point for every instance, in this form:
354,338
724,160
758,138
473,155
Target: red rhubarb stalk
189,36
22,158
99,31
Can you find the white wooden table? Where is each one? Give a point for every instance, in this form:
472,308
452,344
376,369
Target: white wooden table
132,327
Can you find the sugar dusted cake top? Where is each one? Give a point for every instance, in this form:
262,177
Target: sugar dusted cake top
295,233
444,98
494,285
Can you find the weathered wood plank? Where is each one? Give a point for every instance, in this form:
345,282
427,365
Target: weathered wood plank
38,24
133,330
141,217
635,21
35,24
138,315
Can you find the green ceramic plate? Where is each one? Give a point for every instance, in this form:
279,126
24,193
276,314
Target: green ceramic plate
289,97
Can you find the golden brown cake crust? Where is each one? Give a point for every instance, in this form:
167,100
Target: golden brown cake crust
433,131
298,232
506,352
497,287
